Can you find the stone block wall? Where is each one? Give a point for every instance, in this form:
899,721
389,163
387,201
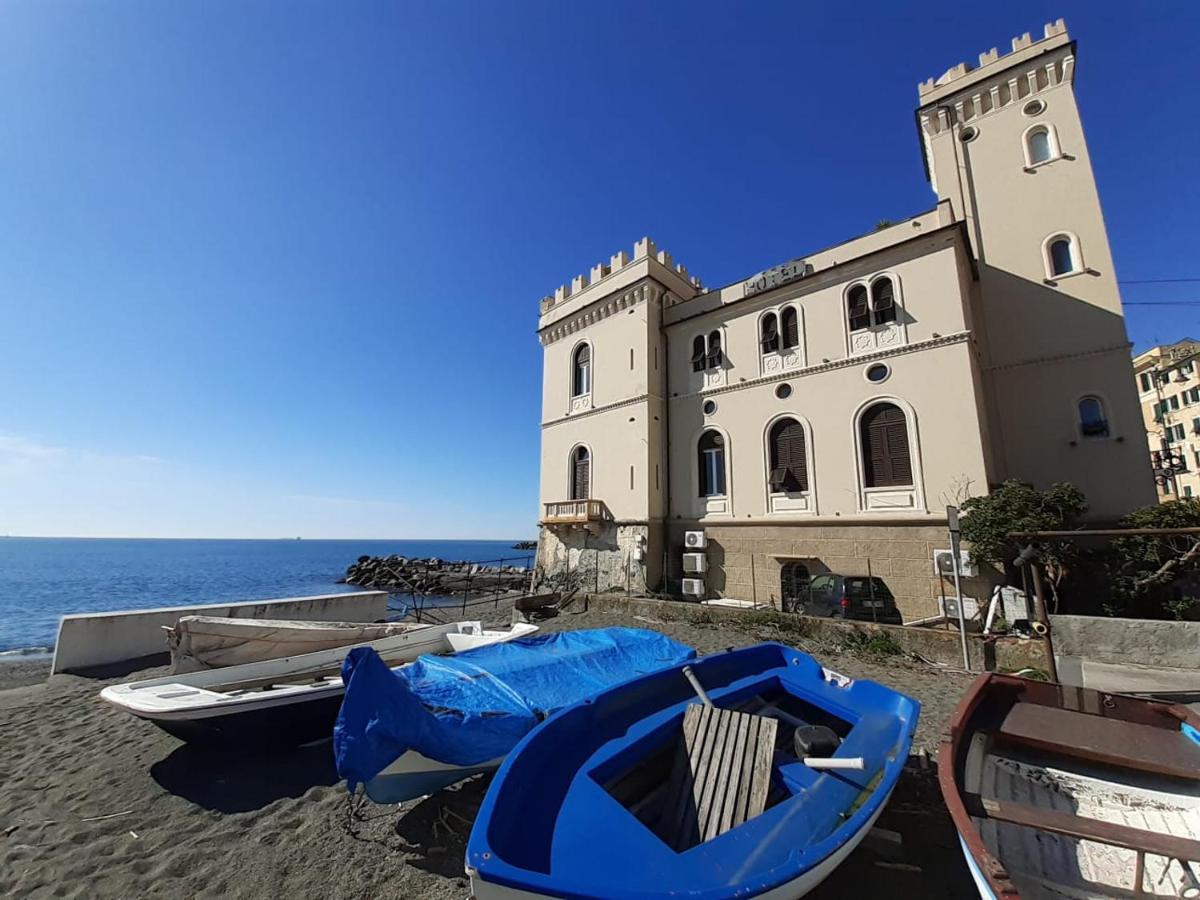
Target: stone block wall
745,561
573,558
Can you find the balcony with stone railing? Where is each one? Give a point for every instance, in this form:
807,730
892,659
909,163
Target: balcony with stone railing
589,514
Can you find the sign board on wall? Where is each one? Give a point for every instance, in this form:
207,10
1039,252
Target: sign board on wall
776,276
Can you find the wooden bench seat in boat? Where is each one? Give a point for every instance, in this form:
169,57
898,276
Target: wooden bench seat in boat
721,775
1099,739
1083,828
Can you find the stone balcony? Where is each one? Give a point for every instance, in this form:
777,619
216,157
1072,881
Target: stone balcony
588,514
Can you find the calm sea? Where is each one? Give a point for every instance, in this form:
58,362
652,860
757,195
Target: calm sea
43,578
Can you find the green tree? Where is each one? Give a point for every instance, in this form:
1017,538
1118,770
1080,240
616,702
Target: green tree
1143,569
1017,506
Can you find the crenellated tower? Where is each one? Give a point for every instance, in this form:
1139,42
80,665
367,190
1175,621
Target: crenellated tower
604,420
1003,142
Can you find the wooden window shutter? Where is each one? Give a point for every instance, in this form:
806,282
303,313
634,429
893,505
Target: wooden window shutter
788,456
886,458
581,475
791,328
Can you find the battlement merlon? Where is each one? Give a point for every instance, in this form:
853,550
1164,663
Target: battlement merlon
620,269
964,75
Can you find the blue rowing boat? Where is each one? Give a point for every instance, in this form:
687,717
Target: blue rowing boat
629,794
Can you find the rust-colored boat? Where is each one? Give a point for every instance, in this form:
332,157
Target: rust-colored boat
1064,792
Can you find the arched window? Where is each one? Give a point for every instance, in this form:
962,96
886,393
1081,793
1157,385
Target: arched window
581,381
886,460
711,452
788,457
1062,256
581,473
770,334
858,310
1037,145
1093,422
793,586
883,301
698,354
791,327
714,350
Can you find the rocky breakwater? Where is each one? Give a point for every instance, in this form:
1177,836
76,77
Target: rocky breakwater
399,574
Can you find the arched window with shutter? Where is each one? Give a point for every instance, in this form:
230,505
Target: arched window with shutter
698,354
714,350
886,457
581,369
883,301
1062,255
858,310
711,459
769,339
581,473
790,326
788,457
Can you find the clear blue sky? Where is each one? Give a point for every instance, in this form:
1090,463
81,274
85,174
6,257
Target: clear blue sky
271,268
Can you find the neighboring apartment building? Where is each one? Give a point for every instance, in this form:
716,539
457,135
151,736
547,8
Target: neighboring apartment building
1168,386
819,416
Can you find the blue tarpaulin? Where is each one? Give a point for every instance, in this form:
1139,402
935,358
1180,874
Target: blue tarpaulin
475,706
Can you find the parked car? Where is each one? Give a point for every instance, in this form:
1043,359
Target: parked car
846,597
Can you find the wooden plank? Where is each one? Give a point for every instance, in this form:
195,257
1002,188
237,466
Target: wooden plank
1064,823
746,777
764,752
729,759
706,773
736,787
1100,739
679,789
683,821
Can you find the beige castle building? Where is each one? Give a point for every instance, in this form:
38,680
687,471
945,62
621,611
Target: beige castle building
818,417
1168,386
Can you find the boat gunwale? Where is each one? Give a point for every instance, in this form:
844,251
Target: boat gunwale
952,749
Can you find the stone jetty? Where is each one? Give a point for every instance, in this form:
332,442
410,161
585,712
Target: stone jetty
435,576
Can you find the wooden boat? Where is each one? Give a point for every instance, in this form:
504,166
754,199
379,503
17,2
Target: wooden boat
443,720
1064,792
643,792
292,700
214,642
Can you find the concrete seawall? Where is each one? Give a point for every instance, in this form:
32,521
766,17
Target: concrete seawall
86,640
1139,642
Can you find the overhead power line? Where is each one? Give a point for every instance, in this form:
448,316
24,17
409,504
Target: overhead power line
1162,302
1158,281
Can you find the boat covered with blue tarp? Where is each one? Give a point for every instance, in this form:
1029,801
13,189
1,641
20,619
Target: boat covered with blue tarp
431,723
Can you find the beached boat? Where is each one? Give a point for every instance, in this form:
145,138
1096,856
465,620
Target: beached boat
214,642
281,701
1064,792
407,733
758,789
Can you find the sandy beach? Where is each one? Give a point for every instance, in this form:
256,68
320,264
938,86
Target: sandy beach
100,804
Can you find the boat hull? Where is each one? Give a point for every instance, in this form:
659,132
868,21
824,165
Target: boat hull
414,775
289,724
797,887
1064,791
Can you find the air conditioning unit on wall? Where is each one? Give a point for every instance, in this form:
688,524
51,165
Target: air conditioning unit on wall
695,540
943,564
695,563
693,587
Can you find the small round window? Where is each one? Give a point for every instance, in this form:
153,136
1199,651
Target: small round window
783,391
1034,108
877,373
710,407
968,134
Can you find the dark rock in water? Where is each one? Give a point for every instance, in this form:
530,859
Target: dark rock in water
363,559
436,576
525,545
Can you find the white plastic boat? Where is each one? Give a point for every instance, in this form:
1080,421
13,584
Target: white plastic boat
292,700
214,642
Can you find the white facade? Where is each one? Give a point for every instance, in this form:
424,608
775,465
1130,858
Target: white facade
826,412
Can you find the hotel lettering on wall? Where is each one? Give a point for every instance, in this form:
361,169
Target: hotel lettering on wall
775,276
